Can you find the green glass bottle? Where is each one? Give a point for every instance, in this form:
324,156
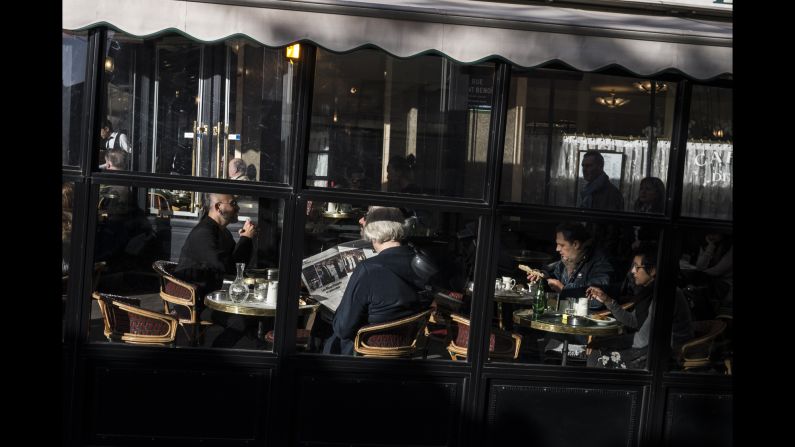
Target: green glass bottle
540,299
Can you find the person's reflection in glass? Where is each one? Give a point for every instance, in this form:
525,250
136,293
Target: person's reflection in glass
651,196
400,175
597,191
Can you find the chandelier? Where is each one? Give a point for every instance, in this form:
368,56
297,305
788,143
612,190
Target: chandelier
611,102
645,86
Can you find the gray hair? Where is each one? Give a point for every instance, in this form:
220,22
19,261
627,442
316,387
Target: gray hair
384,231
116,158
239,164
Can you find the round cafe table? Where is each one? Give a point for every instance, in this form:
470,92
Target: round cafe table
573,325
219,301
511,298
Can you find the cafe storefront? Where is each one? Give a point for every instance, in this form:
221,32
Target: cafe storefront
476,119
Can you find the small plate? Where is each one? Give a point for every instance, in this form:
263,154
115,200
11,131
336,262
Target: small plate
605,320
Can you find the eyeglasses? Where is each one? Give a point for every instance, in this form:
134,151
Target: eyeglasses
231,202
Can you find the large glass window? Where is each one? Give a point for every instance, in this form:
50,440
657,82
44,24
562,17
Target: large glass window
708,184
555,118
67,220
174,106
574,293
379,273
172,266
74,53
415,126
705,282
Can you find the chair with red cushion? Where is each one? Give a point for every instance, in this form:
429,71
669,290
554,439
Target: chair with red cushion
180,300
125,321
398,338
502,344
302,335
445,303
698,352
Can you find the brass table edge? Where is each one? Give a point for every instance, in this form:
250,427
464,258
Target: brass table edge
613,329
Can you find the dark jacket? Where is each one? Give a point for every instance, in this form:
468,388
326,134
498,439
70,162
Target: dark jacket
382,288
603,195
594,270
209,252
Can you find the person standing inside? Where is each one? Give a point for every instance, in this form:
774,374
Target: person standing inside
597,191
112,140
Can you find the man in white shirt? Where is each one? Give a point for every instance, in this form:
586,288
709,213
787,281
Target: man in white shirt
112,140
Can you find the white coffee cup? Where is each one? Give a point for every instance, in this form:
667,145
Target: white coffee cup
508,282
581,307
273,291
332,208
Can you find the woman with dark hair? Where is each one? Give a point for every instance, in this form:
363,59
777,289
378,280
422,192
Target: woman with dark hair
651,196
630,348
651,199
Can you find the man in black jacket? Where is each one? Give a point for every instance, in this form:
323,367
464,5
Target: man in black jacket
210,252
380,289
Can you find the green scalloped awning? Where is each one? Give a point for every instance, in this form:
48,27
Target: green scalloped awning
466,31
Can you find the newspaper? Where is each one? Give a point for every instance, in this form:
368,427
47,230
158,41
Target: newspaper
326,274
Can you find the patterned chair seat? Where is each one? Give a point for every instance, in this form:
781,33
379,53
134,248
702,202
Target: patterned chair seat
399,338
502,345
125,321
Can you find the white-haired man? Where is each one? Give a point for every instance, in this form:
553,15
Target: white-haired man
237,170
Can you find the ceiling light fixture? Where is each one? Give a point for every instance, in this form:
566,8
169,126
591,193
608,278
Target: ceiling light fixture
611,102
645,86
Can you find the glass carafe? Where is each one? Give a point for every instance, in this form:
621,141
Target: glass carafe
238,291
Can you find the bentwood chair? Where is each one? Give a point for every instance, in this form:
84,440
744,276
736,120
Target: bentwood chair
180,300
302,335
125,321
697,352
444,304
398,338
502,344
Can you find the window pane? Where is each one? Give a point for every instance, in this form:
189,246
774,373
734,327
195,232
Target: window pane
706,282
175,106
708,184
157,259
415,126
74,52
360,283
67,220
554,117
573,262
